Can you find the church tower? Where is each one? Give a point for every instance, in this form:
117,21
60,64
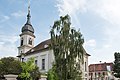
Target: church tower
27,36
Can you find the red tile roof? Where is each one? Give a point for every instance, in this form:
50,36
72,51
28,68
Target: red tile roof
100,67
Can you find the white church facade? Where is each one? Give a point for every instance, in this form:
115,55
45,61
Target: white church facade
43,55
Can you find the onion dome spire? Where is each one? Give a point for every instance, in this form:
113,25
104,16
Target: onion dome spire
28,16
28,26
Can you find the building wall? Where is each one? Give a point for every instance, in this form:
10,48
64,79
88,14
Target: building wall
49,59
26,46
47,55
101,75
101,71
86,70
26,39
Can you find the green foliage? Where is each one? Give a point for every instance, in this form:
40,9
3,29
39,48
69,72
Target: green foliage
29,70
26,70
28,65
117,65
9,65
68,50
52,74
35,73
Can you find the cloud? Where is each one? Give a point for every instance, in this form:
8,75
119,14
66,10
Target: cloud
110,12
70,6
107,10
90,43
8,50
18,14
8,45
4,18
9,39
1,43
107,46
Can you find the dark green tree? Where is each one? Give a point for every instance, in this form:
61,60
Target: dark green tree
67,43
9,65
117,65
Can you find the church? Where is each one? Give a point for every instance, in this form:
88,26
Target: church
43,55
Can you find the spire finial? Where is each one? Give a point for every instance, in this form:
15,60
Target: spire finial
28,5
28,16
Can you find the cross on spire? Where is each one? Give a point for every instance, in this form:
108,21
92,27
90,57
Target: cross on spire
28,16
28,5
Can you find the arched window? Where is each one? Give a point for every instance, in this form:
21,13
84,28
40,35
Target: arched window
21,41
95,75
99,74
103,73
30,41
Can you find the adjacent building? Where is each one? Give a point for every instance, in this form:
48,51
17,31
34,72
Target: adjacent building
43,55
101,71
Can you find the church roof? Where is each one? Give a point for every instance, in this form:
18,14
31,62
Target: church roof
43,46
40,47
27,28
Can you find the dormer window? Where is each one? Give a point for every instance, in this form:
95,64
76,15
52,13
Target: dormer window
32,50
30,41
45,46
21,41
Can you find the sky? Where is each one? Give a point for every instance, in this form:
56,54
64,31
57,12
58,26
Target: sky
98,21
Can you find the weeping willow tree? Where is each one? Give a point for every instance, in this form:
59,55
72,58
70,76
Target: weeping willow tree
67,43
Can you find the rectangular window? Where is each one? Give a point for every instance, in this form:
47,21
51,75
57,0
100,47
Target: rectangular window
30,41
43,64
35,62
22,59
108,68
21,41
85,66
